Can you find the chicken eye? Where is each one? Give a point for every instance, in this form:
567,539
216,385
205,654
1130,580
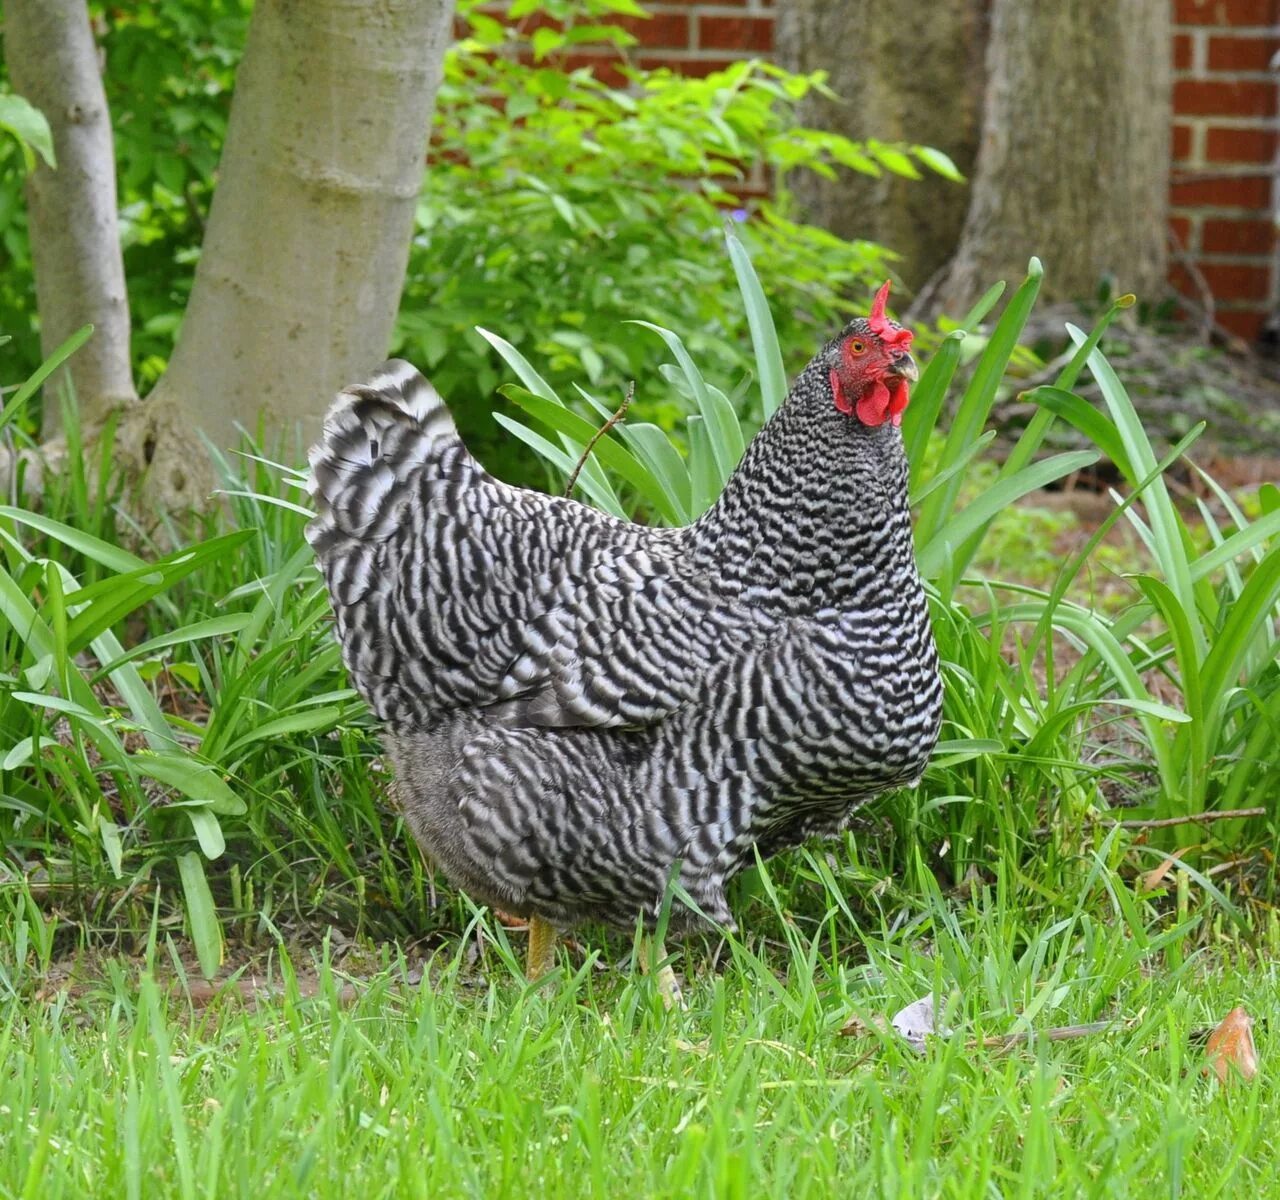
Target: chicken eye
858,347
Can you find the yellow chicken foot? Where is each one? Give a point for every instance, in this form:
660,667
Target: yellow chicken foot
668,984
542,948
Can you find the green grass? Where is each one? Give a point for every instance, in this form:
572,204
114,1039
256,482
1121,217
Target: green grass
473,1084
184,767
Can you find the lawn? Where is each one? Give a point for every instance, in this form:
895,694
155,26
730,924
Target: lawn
462,1080
226,970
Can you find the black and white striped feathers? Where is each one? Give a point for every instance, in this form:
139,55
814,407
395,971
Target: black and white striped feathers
573,703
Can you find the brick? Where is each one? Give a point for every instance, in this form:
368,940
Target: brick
694,68
1240,145
1223,12
1241,53
1180,227
1243,322
1181,143
1241,235
606,67
1180,280
1242,191
1182,52
666,29
1237,281
1224,98
744,34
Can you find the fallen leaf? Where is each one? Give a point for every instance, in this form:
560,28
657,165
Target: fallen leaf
1230,1048
1150,880
858,1026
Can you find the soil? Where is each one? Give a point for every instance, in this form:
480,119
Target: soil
1176,377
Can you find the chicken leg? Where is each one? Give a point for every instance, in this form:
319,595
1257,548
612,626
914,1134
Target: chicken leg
668,984
542,948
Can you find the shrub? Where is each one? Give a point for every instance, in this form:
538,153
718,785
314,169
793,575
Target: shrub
555,205
559,206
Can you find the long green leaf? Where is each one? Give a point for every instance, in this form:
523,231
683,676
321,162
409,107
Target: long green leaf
611,455
91,547
975,405
723,425
212,627
653,447
933,556
770,371
199,782
921,417
206,933
24,393
1166,525
603,497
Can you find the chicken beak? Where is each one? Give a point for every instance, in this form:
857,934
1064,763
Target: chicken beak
905,368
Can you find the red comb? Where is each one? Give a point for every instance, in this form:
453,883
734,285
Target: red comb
880,325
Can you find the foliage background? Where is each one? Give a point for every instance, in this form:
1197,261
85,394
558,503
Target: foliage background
555,209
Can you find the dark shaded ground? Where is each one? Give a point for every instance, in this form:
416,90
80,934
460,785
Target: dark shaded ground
1175,378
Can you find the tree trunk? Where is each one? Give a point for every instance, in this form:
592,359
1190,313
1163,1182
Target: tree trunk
309,231
899,79
71,210
1074,161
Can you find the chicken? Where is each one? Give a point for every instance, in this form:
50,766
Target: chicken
577,708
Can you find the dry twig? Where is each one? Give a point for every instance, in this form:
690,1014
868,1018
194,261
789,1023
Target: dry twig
599,433
1204,818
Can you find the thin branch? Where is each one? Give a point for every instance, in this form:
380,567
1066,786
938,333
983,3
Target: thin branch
599,433
1059,1033
1208,321
1204,818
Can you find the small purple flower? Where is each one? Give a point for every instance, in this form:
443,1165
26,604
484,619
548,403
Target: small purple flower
739,215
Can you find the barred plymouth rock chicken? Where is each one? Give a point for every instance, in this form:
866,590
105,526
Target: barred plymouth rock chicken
577,707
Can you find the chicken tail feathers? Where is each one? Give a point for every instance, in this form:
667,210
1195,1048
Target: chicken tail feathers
376,435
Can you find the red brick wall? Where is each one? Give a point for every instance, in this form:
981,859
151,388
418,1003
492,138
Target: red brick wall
1224,189
1223,198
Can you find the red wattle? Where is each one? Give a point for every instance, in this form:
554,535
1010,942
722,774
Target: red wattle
899,395
873,406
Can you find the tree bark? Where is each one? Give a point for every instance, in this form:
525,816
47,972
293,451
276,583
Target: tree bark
1074,161
309,232
898,78
71,210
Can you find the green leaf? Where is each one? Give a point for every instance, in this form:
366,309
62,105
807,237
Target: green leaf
921,417
109,831
1088,420
28,124
199,782
206,933
764,336
17,402
308,721
975,405
653,447
723,427
702,466
212,627
520,365
1168,533
91,547
611,455
938,162
56,704
564,461
208,832
934,555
